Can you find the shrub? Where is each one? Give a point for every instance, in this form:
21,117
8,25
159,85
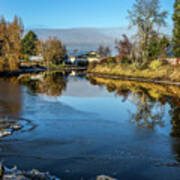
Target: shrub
26,57
103,61
125,60
155,64
111,59
92,65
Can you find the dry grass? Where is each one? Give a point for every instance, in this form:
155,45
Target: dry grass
164,72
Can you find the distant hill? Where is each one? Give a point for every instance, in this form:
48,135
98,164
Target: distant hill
83,38
86,38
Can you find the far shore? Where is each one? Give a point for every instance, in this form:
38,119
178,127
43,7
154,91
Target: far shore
39,69
126,78
27,70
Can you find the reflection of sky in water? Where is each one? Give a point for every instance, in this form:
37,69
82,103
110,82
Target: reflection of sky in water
82,88
88,131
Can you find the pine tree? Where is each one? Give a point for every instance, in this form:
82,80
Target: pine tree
176,32
29,44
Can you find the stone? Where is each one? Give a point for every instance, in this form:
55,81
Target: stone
103,177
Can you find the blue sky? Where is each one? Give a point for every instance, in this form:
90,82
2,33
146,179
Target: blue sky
72,13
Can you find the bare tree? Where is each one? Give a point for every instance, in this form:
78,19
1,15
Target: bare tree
104,51
124,47
146,16
52,50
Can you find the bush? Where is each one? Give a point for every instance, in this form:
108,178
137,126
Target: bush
155,64
103,61
92,65
125,60
111,59
26,57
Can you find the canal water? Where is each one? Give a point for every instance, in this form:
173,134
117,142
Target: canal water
80,127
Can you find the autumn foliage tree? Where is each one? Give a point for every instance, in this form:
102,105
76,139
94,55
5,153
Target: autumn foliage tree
52,50
10,43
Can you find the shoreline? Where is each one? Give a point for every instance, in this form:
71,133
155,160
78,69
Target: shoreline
26,70
138,79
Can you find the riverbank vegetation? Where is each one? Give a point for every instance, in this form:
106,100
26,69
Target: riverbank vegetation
156,70
148,54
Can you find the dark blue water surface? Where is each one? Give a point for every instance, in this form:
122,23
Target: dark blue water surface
81,128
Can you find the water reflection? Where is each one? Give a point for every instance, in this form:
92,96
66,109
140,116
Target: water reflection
175,117
10,97
150,100
149,113
50,84
88,126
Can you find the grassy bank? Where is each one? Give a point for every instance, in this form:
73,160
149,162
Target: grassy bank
164,72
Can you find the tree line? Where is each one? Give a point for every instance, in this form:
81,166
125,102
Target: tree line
14,46
149,43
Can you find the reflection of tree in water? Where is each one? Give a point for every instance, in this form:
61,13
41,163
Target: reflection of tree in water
51,84
149,103
10,97
149,112
175,116
174,112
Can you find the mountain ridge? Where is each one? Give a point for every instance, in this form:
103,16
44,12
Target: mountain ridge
86,38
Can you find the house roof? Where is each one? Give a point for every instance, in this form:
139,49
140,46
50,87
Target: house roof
87,54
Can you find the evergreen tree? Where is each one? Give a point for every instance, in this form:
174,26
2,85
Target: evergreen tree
176,32
164,44
157,47
29,44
